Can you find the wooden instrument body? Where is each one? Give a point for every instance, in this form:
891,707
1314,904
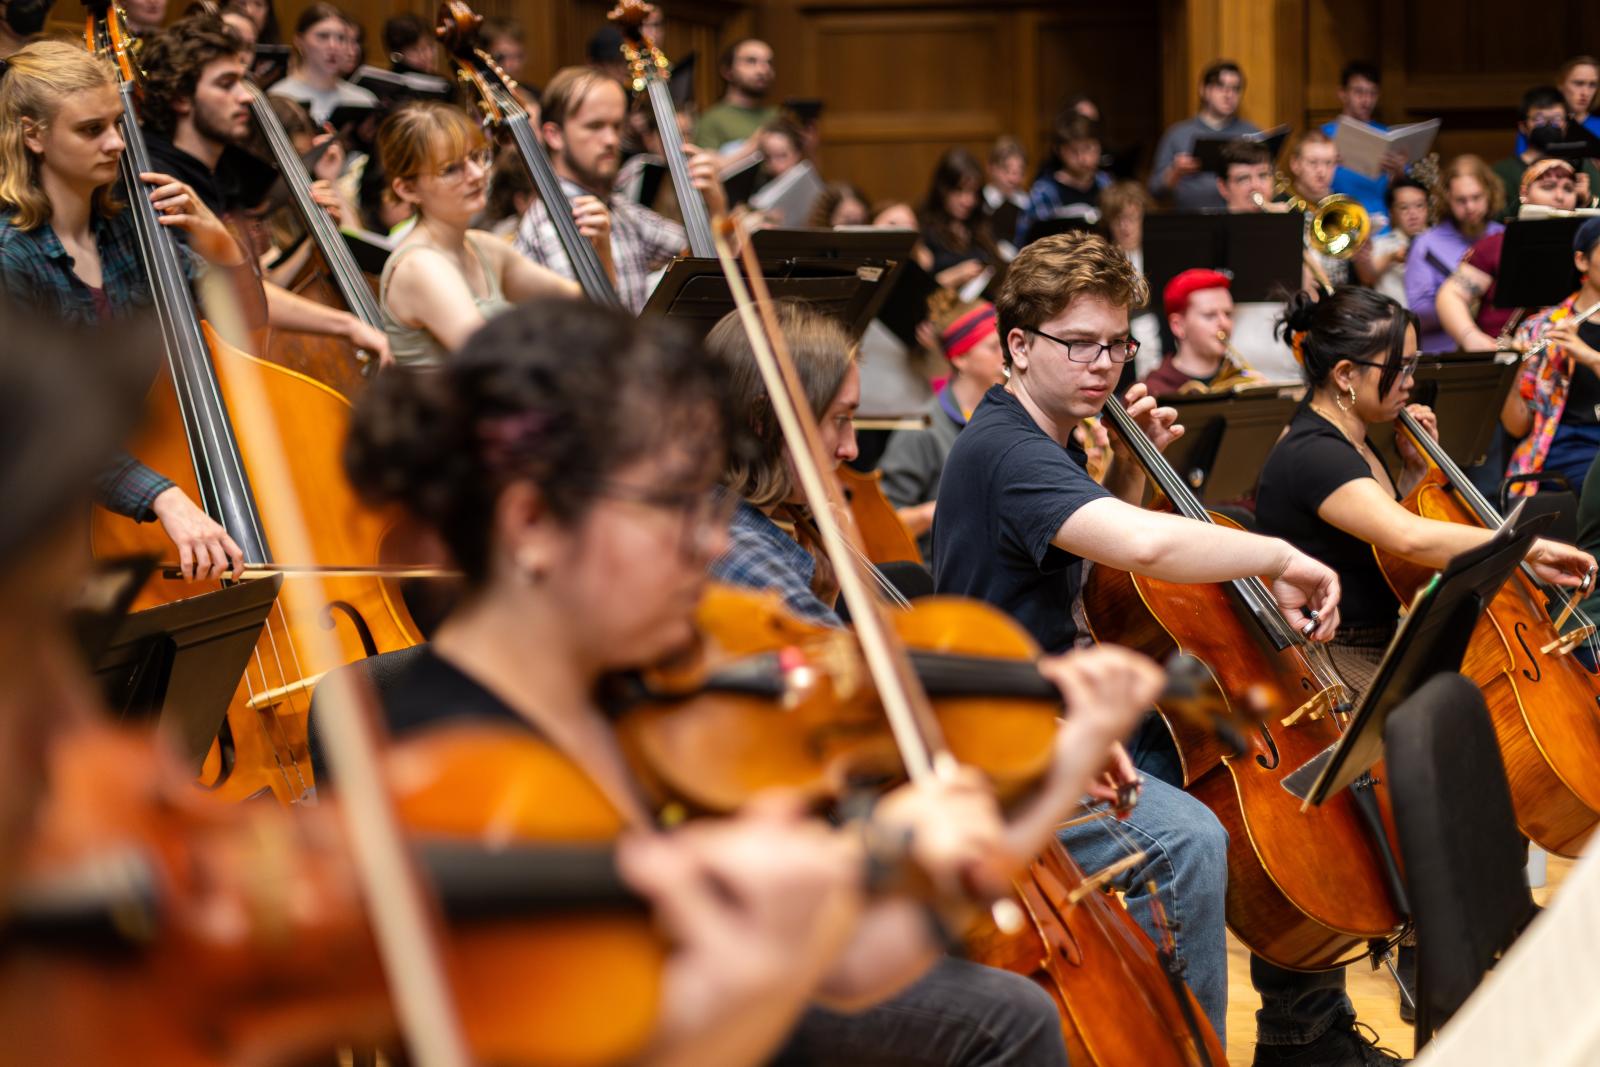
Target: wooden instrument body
267,717
320,357
1306,890
883,535
711,751
238,973
1545,707
1116,1003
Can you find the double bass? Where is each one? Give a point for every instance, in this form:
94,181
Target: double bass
1544,704
1307,890
501,107
331,276
190,436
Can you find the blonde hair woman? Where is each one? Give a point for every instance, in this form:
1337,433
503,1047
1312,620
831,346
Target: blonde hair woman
68,252
447,277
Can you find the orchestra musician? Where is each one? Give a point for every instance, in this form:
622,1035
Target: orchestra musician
1018,517
1199,307
913,459
1326,490
1555,406
1246,184
580,498
68,251
1472,200
445,279
196,114
324,42
582,125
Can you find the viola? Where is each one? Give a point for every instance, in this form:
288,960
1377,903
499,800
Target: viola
1306,889
501,107
198,933
651,74
883,535
209,399
332,277
1541,700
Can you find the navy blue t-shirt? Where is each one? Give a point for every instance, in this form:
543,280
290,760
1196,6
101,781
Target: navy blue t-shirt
1005,491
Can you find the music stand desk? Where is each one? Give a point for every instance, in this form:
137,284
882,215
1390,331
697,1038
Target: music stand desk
181,662
1432,638
1466,391
1226,439
694,292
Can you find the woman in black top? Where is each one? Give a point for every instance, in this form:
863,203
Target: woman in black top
1326,491
569,457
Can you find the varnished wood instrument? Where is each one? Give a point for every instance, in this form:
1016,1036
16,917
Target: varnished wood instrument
1306,890
190,436
1544,704
332,277
884,536
498,101
651,73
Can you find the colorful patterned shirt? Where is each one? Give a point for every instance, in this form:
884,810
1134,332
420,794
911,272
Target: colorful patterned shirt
1543,383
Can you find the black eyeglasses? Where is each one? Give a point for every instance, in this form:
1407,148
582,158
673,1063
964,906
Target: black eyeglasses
1089,351
1408,366
705,511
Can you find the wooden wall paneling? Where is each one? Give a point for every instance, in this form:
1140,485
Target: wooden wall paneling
899,87
1111,54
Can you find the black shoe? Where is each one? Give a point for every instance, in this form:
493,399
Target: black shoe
1406,965
1347,1043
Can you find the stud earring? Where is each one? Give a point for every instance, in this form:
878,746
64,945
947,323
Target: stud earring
529,567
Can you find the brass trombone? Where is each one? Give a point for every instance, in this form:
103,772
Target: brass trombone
1336,226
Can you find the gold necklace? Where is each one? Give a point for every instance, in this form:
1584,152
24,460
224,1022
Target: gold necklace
1359,446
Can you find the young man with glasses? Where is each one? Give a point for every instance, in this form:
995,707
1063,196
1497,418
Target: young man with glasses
1018,516
1176,178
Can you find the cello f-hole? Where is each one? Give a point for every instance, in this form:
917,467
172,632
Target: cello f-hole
363,631
1533,661
1272,749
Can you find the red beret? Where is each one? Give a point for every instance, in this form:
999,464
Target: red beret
1175,297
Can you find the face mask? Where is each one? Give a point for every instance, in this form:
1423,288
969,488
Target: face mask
26,17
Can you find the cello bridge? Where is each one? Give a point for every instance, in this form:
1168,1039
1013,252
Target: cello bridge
1565,643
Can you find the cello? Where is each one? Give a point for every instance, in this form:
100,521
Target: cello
1543,703
500,105
1307,890
189,434
1047,931
332,277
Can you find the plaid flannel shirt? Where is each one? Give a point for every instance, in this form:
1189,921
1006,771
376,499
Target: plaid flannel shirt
641,242
761,556
36,272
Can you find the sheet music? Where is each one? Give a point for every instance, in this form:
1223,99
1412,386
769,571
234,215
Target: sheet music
1362,145
1539,1005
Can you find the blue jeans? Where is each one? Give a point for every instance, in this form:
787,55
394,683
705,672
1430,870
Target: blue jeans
959,1014
1187,860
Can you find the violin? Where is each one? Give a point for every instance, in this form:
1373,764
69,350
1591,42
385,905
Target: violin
332,277
198,933
1307,889
651,74
1541,700
498,101
209,400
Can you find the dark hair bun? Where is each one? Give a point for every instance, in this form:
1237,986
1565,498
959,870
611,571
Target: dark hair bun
408,444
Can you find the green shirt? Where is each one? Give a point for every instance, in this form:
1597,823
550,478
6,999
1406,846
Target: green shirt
723,123
1510,171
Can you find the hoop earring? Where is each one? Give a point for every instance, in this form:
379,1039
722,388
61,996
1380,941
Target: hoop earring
1339,399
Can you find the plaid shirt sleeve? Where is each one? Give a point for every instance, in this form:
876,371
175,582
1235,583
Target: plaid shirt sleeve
129,488
761,556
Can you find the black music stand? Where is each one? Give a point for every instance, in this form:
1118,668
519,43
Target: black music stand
1536,268
180,663
1432,638
1208,150
100,606
1466,390
1226,439
694,292
1263,251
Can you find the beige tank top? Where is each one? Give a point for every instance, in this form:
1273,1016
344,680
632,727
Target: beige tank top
414,346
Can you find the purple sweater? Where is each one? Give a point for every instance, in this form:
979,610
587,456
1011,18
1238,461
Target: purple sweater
1433,258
